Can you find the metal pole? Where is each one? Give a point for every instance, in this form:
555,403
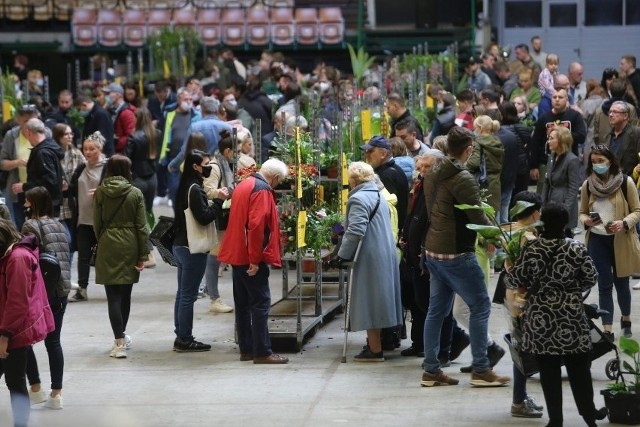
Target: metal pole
77,76
68,75
130,68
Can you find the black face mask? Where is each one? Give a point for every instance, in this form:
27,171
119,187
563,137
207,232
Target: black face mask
206,171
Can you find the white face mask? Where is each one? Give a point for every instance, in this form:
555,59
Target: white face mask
324,86
185,106
232,102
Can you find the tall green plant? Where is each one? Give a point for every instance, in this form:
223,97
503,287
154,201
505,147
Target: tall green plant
360,62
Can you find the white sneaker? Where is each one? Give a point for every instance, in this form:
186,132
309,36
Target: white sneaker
159,200
53,402
127,342
74,286
218,306
170,203
118,352
37,396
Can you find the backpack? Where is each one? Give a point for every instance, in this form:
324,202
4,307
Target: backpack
50,269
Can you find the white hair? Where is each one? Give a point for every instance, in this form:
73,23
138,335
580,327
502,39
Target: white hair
361,172
274,168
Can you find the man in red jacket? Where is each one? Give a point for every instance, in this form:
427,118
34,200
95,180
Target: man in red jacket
251,241
124,120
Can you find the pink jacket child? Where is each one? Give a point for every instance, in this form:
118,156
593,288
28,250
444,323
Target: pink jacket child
25,314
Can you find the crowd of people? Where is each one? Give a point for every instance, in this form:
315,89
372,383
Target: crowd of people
91,189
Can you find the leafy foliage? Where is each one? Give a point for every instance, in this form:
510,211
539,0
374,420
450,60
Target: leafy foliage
360,62
511,242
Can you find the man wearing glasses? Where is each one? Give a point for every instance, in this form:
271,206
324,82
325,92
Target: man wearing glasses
624,139
13,159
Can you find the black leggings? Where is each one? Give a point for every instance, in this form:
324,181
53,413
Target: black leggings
578,368
14,368
119,300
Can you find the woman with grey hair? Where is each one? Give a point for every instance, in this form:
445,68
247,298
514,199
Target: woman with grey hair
375,291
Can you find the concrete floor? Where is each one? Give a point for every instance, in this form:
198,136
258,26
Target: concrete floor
157,387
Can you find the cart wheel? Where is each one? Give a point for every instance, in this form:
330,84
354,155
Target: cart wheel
611,369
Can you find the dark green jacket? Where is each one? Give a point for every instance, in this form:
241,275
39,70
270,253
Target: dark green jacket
122,242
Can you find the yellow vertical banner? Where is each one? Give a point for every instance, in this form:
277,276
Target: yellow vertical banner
166,70
365,120
140,79
320,193
298,165
345,170
6,110
185,66
301,229
343,201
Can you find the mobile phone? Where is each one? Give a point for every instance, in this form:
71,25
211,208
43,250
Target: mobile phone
595,216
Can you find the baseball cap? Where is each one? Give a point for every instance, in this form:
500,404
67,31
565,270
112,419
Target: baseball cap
113,87
376,142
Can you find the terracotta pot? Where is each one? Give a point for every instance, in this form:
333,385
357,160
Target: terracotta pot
332,172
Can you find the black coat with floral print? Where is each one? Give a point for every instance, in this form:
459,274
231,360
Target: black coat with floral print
555,272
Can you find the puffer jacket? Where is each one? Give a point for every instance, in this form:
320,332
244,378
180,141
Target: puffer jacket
122,232
25,314
53,236
449,185
493,152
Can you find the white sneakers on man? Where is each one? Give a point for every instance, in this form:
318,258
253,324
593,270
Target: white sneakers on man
637,286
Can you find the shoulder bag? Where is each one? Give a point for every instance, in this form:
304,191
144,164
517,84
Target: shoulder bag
94,248
482,176
201,237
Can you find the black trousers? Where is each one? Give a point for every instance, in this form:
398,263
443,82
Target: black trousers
119,301
14,369
578,368
86,238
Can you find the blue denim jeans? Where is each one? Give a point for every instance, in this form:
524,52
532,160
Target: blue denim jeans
252,298
601,250
462,276
190,272
505,201
173,181
54,349
211,276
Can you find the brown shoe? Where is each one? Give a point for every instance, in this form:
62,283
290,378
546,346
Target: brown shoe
245,357
488,379
272,359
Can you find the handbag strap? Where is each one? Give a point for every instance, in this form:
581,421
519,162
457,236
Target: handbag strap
41,239
375,209
108,223
189,195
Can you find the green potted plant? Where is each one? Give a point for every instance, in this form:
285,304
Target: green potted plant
501,235
360,63
622,398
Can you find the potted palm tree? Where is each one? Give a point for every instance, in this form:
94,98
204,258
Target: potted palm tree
622,398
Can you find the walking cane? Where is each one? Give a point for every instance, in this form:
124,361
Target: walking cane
346,317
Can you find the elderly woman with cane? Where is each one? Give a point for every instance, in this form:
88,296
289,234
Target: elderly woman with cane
375,288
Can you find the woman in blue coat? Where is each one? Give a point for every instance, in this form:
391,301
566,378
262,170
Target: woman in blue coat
375,289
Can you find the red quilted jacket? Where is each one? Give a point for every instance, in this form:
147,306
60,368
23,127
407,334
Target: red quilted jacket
25,314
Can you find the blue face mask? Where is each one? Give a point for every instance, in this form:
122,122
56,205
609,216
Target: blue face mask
601,168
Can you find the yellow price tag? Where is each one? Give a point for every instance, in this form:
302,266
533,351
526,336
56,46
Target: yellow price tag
345,170
301,229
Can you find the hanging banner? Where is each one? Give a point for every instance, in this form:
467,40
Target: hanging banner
343,201
365,120
301,229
